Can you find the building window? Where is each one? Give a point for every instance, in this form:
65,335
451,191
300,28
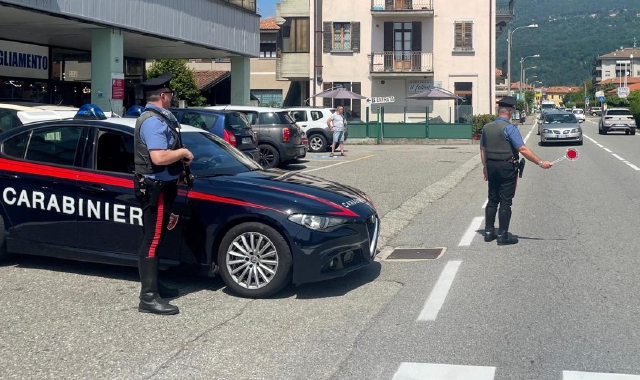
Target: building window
402,42
342,36
294,35
463,36
268,50
268,98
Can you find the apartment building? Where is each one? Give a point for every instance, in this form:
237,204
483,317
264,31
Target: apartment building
392,49
617,64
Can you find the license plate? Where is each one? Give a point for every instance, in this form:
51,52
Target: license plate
247,140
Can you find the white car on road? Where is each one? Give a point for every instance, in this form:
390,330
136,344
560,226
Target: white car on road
579,113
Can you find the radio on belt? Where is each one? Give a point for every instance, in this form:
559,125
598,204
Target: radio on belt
90,112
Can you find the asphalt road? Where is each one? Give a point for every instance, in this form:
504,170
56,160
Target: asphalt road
560,304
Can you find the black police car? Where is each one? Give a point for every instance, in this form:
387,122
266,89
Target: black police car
66,191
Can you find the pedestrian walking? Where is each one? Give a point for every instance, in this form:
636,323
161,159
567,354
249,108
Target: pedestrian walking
500,146
337,125
160,159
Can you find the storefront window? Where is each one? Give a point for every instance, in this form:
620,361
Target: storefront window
24,90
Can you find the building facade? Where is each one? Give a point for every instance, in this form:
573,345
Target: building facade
78,51
390,49
618,64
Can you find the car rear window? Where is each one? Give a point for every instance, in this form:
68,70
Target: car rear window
578,111
618,112
236,120
281,117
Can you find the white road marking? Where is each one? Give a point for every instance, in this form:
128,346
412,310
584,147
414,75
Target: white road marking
600,145
618,157
468,236
573,375
529,134
439,293
629,164
428,371
484,205
607,150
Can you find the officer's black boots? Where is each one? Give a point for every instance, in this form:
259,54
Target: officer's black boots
504,237
489,234
166,292
150,300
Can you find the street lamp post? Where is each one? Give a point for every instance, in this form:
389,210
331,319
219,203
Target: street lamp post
533,84
522,70
524,75
531,77
509,37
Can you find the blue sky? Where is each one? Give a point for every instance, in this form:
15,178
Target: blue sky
267,8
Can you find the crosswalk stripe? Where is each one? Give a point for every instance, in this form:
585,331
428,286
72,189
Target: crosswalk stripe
439,292
575,375
427,371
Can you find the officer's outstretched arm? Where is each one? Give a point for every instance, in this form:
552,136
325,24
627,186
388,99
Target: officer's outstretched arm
529,155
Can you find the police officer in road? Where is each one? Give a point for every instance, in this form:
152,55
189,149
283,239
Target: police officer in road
500,145
160,160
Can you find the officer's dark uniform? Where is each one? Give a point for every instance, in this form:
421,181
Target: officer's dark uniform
155,187
501,145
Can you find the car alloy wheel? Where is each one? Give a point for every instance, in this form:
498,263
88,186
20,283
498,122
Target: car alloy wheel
317,143
269,157
252,260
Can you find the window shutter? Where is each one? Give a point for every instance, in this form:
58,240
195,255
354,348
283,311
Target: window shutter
458,35
326,102
355,37
468,35
416,36
326,37
388,36
356,104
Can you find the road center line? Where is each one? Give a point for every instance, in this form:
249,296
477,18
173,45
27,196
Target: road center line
607,150
573,375
484,205
439,293
471,232
428,371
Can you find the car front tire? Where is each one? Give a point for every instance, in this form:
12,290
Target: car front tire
254,260
269,156
632,131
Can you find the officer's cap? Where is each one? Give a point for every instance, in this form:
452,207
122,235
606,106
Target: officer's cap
159,83
507,101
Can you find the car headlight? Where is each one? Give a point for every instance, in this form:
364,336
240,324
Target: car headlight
317,222
546,130
576,130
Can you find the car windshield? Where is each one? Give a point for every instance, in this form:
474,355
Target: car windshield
618,113
212,156
556,118
548,106
236,120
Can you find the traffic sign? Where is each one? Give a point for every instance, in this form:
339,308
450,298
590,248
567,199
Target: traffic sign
381,99
601,98
623,92
586,98
599,94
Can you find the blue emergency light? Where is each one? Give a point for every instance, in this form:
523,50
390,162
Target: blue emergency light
90,111
134,111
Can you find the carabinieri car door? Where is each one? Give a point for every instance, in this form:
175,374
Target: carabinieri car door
112,225
38,171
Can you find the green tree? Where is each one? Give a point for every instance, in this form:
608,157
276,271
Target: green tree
183,82
634,104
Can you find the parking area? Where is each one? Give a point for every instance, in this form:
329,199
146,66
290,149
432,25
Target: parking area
72,320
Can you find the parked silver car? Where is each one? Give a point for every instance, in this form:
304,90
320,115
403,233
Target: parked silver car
560,127
617,119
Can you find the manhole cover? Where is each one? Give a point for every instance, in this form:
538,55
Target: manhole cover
416,253
448,147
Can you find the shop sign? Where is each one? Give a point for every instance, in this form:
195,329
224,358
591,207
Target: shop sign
24,60
416,86
117,86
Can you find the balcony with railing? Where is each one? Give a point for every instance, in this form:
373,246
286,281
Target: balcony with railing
402,7
408,63
504,11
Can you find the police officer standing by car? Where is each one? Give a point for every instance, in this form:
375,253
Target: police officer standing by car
160,160
500,145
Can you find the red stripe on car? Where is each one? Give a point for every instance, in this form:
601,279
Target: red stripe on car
343,210
236,202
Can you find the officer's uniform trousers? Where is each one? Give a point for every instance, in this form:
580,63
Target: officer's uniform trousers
503,178
156,210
